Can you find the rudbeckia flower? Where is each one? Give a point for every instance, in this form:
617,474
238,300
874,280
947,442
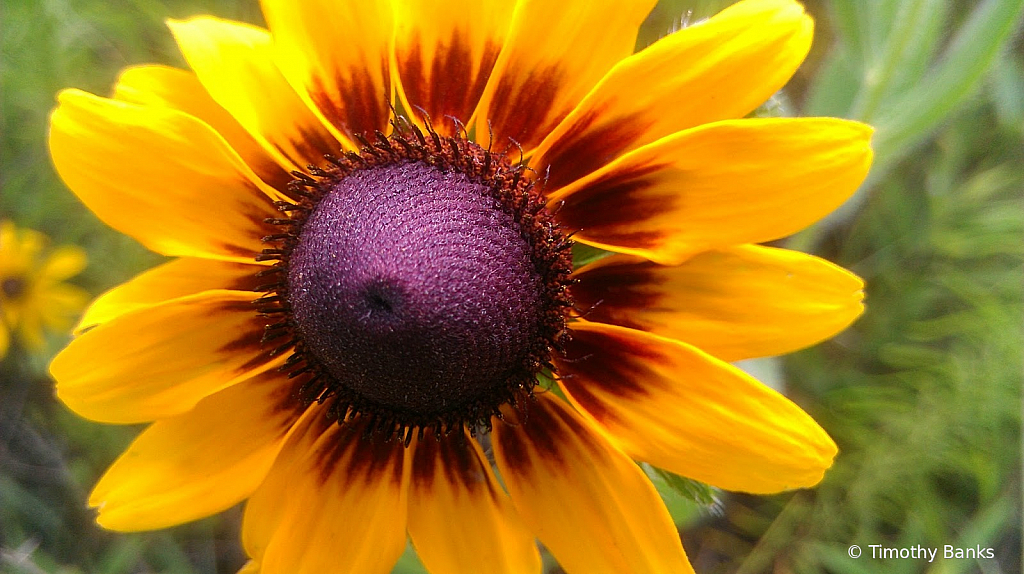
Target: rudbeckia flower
33,295
373,208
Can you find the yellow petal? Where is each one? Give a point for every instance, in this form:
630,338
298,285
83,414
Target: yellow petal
5,339
721,68
273,498
64,262
8,235
160,361
60,303
336,56
201,462
234,62
722,184
9,312
444,53
586,500
736,303
553,56
460,520
178,278
250,567
30,330
159,175
19,247
161,86
678,408
334,501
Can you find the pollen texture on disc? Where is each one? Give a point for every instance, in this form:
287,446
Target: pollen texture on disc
414,289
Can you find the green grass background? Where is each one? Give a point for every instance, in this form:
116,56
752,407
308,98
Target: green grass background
923,394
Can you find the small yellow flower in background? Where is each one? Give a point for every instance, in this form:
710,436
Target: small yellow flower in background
361,305
33,296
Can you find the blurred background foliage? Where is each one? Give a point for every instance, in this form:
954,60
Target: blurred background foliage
923,394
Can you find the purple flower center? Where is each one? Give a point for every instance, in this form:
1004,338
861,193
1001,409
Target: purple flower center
417,290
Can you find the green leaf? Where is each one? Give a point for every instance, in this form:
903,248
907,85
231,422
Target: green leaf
409,563
908,93
904,39
853,23
584,254
905,121
698,493
1008,93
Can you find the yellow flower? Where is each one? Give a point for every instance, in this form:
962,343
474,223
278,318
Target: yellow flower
415,283
33,295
